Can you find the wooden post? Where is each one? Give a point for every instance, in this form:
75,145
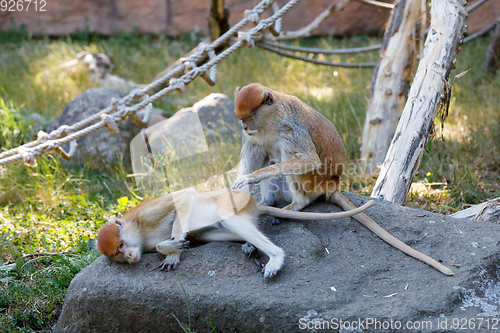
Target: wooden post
492,60
218,19
430,90
391,82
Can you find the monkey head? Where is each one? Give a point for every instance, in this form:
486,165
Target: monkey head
114,241
253,106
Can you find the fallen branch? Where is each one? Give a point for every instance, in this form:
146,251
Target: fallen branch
487,211
475,5
41,254
480,33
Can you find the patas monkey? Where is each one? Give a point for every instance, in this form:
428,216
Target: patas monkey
163,223
284,137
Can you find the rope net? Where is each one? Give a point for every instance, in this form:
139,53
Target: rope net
179,77
176,79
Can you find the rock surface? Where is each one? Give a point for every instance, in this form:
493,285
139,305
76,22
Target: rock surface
101,147
187,146
334,270
175,18
216,115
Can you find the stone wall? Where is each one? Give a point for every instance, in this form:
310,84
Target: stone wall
176,17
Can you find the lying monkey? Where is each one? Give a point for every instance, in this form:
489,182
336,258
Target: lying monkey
163,223
284,137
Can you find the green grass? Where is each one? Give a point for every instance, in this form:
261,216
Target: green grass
58,208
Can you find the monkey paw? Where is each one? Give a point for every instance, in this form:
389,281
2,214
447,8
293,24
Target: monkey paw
170,262
271,219
274,264
171,245
247,248
243,180
269,200
271,269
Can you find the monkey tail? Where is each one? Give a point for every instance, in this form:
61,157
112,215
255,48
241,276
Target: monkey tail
339,199
284,213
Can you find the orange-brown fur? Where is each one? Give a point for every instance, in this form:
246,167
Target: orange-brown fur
109,236
306,149
282,116
163,223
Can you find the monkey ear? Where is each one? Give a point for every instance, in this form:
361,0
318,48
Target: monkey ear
237,90
267,97
118,222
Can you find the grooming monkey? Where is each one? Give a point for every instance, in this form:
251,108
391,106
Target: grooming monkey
284,137
163,223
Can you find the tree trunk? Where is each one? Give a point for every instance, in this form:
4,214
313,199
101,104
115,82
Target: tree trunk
390,83
218,19
430,90
492,60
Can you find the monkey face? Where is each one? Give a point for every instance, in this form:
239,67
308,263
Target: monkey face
118,243
126,253
249,125
253,105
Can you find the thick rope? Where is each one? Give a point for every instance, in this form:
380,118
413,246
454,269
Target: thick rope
282,46
121,109
480,33
475,5
317,61
135,94
124,107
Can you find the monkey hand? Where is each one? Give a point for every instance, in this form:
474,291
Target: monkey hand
171,246
243,180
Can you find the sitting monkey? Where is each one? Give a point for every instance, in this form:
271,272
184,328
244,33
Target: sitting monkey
285,137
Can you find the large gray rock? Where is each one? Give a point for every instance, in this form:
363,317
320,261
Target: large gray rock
189,148
215,113
335,270
101,148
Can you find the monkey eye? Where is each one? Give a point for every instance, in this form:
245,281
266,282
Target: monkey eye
120,244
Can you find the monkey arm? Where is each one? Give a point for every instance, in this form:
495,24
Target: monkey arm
300,164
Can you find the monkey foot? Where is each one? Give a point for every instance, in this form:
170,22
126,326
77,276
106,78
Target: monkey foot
274,265
247,248
269,201
269,273
168,265
273,220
